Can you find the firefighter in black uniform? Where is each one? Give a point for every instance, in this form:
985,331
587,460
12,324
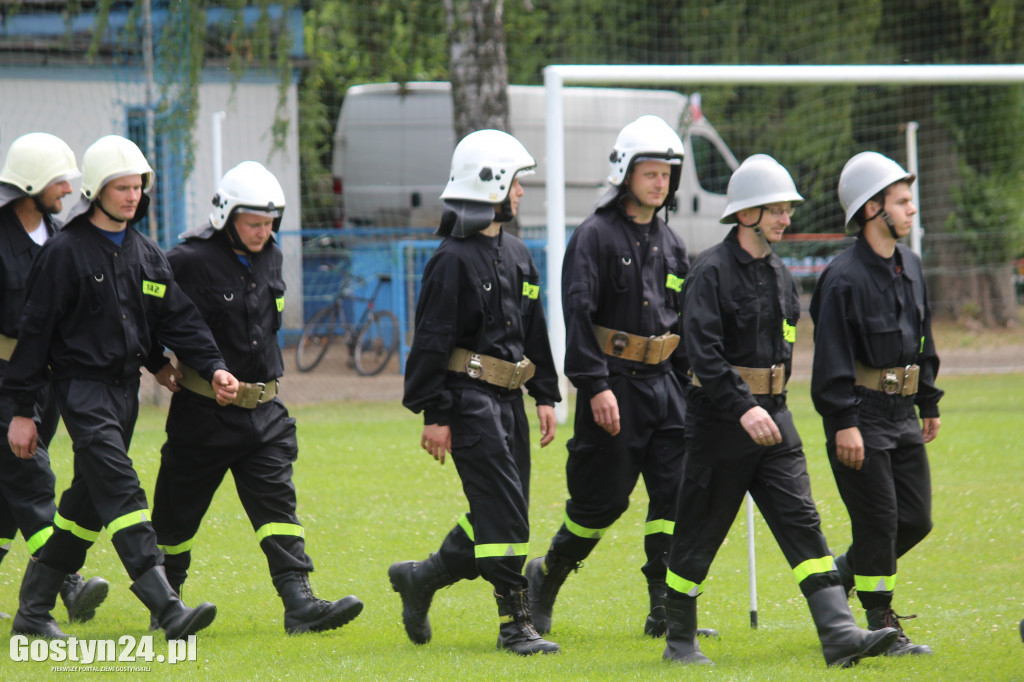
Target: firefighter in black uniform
740,309
231,269
36,177
874,360
98,293
480,335
622,277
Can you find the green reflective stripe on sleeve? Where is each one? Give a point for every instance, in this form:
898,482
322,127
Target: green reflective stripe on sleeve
76,530
673,282
788,332
874,583
682,585
129,519
280,303
811,566
5,543
581,532
154,288
921,350
531,291
659,526
496,550
268,529
467,526
179,548
38,539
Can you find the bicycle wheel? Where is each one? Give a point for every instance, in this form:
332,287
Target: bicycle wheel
316,337
376,342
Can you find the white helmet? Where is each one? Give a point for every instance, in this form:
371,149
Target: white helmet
112,157
758,181
248,186
37,159
865,175
483,166
647,138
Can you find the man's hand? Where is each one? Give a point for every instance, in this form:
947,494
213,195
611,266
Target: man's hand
168,377
546,416
437,440
930,428
760,426
605,407
850,447
22,436
225,386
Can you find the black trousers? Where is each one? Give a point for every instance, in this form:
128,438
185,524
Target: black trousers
602,470
722,465
27,485
258,447
491,451
105,490
890,498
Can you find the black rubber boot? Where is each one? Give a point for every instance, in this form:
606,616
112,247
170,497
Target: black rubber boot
416,582
842,642
516,632
655,625
885,617
177,620
681,632
154,624
36,600
546,575
81,597
305,612
845,573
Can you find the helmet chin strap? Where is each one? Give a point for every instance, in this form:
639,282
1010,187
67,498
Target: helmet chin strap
884,215
756,226
503,213
234,240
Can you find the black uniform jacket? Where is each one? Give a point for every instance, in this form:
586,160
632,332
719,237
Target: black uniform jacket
612,278
737,311
478,293
864,312
93,308
242,306
17,250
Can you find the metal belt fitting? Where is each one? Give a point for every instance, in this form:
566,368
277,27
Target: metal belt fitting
650,350
250,394
889,380
7,347
761,380
494,371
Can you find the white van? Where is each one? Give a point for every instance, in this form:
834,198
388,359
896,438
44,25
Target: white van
394,142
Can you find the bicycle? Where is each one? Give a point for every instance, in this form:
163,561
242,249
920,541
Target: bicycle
371,341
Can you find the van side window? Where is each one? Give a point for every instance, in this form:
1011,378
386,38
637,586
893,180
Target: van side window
713,171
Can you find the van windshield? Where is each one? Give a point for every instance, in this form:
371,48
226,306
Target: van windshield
713,170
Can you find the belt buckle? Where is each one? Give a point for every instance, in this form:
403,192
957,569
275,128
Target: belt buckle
263,391
517,373
620,341
890,382
474,366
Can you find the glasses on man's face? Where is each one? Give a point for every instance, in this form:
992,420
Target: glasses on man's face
778,211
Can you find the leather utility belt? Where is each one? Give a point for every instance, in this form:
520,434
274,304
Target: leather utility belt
762,381
250,395
650,350
501,373
891,380
7,347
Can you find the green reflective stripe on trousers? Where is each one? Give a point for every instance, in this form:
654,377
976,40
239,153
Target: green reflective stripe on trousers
73,528
467,526
659,526
874,583
180,548
129,519
268,529
581,532
37,540
496,550
682,585
811,566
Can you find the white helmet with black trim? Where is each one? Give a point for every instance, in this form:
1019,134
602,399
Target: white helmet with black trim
758,181
112,157
646,138
863,177
35,160
250,187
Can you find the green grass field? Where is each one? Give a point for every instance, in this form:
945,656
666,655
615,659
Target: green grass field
368,496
